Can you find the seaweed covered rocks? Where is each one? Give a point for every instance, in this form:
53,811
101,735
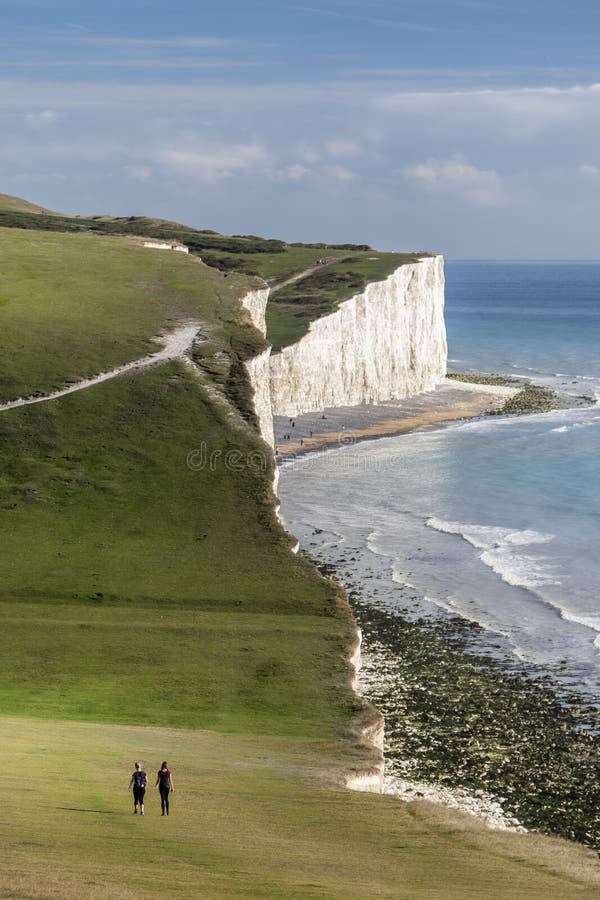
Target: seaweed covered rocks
462,720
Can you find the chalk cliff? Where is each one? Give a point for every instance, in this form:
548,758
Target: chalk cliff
259,373
386,343
256,304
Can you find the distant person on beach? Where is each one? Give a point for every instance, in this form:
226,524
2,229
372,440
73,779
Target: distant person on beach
164,781
138,783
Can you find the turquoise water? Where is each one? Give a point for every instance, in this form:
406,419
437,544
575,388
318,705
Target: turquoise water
496,520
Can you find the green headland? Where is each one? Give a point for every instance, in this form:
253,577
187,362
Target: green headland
152,610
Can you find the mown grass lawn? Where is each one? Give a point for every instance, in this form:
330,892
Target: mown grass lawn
249,818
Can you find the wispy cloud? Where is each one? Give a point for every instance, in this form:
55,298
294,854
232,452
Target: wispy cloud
135,63
211,163
589,170
341,158
480,187
370,20
114,41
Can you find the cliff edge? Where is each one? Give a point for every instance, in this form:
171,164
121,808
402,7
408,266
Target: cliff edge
385,343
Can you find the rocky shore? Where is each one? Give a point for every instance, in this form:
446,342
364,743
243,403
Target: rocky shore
519,748
466,723
336,427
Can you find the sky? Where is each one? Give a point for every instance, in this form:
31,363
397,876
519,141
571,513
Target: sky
467,127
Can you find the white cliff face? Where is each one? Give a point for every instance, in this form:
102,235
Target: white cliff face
259,373
258,367
256,303
384,344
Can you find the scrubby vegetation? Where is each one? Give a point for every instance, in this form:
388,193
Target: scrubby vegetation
196,240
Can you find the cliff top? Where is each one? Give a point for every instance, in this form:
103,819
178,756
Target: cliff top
331,273
292,308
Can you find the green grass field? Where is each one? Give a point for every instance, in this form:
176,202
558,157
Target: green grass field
252,816
152,609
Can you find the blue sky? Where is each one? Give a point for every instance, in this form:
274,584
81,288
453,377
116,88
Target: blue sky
466,126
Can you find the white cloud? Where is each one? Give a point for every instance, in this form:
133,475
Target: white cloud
138,173
586,169
169,148
452,176
134,63
342,148
340,173
41,117
201,42
212,163
293,172
520,114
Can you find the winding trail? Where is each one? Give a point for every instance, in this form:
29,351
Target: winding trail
176,344
316,268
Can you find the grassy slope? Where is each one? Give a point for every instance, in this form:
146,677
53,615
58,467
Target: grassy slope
9,203
73,305
290,311
135,590
104,524
274,267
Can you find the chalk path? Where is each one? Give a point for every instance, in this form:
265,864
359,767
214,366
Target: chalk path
176,344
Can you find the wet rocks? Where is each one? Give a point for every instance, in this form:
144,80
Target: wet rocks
463,721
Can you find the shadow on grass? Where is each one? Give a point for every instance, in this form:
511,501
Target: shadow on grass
99,812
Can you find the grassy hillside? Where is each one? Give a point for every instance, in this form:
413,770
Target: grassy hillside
151,608
290,310
73,305
16,204
105,526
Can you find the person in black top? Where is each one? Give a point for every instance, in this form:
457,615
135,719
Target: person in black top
138,782
164,781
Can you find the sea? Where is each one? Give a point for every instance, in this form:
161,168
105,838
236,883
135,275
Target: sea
495,520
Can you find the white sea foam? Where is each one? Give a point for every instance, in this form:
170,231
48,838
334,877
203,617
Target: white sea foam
498,545
518,570
563,429
592,622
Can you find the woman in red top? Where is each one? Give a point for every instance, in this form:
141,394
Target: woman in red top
164,781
